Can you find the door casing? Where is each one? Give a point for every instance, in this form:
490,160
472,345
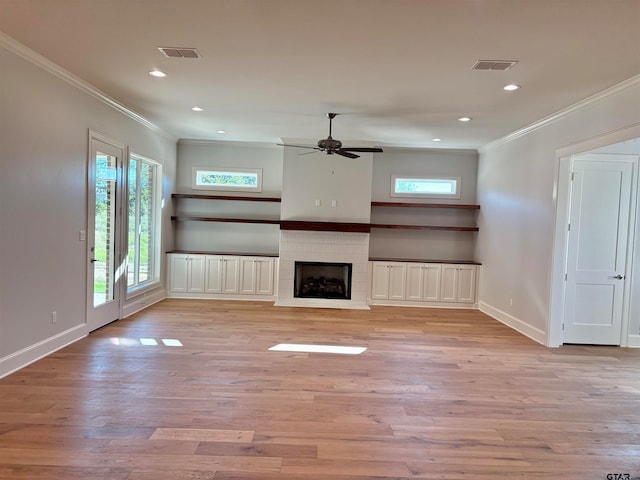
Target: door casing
559,259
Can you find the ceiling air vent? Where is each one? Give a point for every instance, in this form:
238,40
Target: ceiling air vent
173,52
494,64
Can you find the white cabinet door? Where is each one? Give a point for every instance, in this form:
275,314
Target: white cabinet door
247,275
415,281
449,283
264,275
380,280
397,281
431,282
196,273
230,274
467,284
178,273
213,279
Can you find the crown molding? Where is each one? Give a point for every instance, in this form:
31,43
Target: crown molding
560,114
35,58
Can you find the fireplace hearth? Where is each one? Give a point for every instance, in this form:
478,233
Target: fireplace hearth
322,280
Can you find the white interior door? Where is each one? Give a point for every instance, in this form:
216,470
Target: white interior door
597,249
105,271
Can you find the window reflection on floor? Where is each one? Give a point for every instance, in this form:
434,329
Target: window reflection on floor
134,342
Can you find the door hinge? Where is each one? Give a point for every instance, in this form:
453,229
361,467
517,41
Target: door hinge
573,174
569,228
566,277
563,327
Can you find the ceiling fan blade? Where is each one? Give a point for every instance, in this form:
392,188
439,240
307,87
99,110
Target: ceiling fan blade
346,154
363,149
297,146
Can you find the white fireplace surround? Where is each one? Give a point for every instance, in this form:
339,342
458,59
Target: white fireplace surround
313,246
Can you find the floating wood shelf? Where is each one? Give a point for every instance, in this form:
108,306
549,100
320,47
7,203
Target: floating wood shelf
214,252
422,260
426,205
183,218
424,227
321,226
225,197
325,226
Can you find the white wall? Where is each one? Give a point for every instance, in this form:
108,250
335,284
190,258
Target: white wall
327,179
516,189
44,123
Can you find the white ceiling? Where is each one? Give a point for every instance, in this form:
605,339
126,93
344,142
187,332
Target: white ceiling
399,70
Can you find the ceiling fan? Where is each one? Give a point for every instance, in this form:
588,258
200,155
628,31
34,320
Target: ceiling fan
331,146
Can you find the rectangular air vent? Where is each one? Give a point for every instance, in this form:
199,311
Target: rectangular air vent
174,52
494,64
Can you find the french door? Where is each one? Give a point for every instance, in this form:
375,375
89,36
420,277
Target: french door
105,272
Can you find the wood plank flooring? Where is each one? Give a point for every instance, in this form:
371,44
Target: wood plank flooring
439,394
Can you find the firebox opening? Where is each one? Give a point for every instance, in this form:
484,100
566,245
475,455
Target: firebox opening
322,280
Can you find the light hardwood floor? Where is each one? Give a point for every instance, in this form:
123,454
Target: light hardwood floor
439,394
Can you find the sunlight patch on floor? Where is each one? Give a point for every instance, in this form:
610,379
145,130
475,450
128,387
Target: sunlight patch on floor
295,347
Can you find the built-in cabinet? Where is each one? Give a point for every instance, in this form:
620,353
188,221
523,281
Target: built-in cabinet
187,273
256,275
388,280
415,283
221,276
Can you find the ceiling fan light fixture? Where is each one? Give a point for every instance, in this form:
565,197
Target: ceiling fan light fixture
197,109
436,139
511,87
157,73
330,145
464,119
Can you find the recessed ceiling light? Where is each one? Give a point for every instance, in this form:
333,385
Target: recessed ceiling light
464,119
436,139
157,73
511,87
197,109
222,132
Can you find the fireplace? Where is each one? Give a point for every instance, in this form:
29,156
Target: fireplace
322,280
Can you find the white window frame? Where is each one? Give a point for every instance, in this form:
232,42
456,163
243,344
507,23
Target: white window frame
456,180
155,264
196,171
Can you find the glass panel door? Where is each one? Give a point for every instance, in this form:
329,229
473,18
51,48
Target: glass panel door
103,237
103,260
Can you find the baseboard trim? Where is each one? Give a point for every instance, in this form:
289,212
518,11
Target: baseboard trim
20,359
527,330
143,301
405,303
222,296
633,341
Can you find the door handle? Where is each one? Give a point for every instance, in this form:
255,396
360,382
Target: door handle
93,260
618,277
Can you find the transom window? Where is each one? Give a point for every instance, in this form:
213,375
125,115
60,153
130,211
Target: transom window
239,179
425,187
